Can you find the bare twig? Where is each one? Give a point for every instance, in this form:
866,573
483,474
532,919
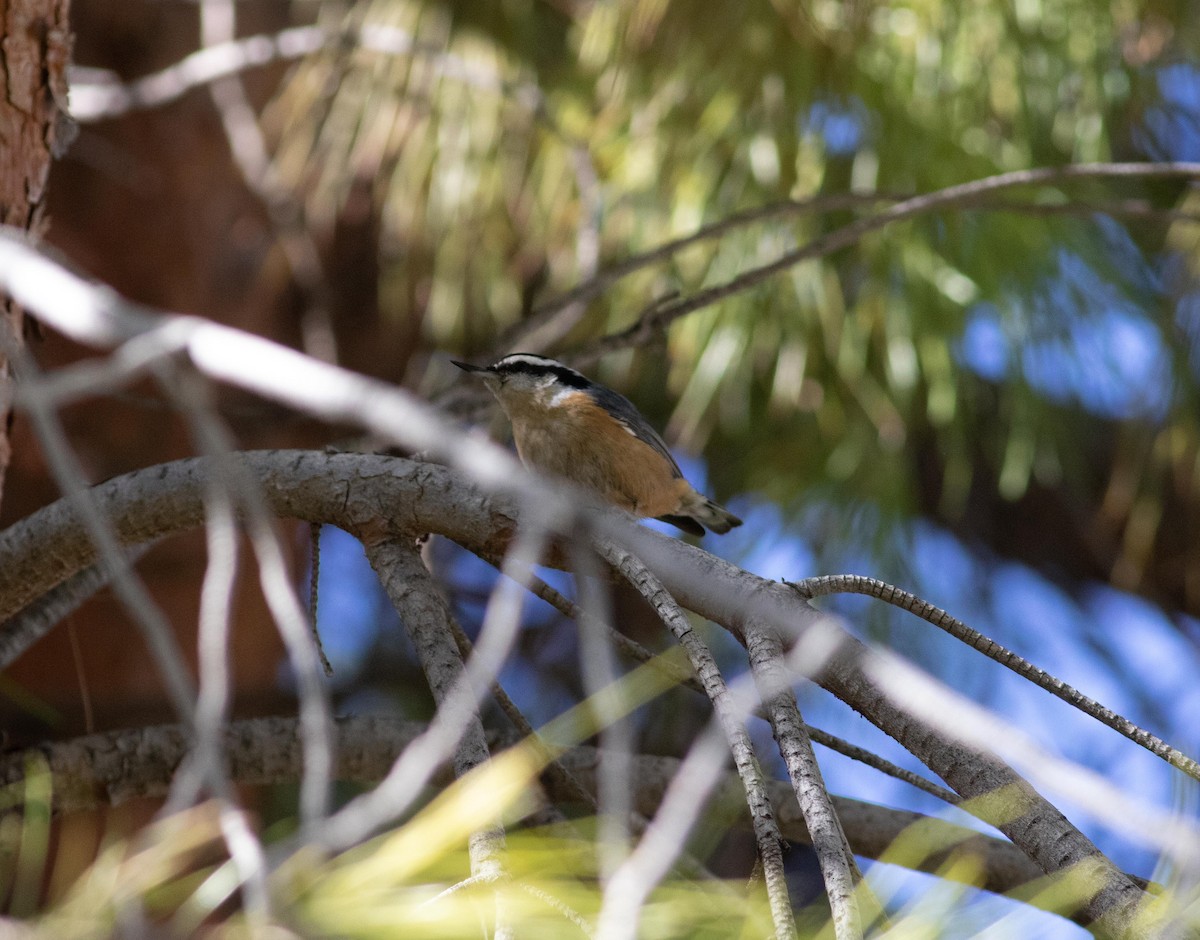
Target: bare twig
278,590
963,194
206,765
314,583
98,94
248,147
538,331
881,590
39,618
838,868
683,677
598,668
639,877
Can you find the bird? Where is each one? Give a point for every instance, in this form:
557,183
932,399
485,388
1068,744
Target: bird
568,426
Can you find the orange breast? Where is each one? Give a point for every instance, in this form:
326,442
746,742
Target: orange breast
578,440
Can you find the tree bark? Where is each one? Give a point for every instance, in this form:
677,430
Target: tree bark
35,47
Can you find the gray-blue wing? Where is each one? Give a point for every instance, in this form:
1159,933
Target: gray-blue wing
624,411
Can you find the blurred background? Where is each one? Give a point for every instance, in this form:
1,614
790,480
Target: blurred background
993,404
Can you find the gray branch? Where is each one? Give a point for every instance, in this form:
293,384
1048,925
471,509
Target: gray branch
427,618
368,495
108,769
881,590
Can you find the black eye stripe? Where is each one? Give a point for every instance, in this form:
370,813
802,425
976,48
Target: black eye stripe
568,377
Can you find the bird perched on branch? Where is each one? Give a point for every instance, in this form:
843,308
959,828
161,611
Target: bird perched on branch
566,425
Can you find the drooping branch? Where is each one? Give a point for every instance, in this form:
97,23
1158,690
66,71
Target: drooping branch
767,664
533,332
634,650
881,590
98,95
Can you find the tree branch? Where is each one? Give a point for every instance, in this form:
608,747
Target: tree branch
961,195
636,651
774,681
535,332
427,618
361,494
98,94
732,721
881,590
108,769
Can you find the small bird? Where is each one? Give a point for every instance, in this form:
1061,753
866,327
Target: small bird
566,425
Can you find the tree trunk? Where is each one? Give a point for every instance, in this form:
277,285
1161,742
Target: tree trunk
35,47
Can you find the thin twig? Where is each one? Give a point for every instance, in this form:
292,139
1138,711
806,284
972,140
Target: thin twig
642,873
206,765
99,94
248,148
85,693
599,671
838,868
278,589
881,590
314,582
963,194
633,649
528,332
225,491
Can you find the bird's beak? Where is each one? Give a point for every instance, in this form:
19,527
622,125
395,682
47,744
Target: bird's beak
467,367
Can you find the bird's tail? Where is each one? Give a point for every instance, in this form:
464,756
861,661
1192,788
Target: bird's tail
705,512
717,518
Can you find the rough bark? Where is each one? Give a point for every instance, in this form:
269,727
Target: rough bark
111,768
35,46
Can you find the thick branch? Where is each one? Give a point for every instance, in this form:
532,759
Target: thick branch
364,495
107,769
427,618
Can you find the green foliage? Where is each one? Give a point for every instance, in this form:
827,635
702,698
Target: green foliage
553,889
522,146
